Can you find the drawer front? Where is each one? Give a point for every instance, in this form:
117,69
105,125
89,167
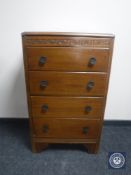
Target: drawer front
66,83
67,107
66,128
67,59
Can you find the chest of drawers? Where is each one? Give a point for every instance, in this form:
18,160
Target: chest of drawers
67,78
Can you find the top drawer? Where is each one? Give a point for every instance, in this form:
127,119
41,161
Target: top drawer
67,59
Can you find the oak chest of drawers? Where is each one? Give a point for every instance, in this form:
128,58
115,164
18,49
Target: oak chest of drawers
67,78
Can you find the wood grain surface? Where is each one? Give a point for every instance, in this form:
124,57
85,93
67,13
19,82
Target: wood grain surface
68,107
67,59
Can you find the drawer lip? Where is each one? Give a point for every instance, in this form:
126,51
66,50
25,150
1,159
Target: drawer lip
77,97
67,107
69,72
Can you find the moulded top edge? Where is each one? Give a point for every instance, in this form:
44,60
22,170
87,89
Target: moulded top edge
67,34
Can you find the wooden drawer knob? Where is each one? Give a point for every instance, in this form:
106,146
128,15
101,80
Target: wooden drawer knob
42,60
88,109
45,128
85,130
92,61
44,108
43,84
90,85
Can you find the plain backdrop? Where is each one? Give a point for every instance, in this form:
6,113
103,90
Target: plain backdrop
103,16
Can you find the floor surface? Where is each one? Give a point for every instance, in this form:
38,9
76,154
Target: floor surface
16,157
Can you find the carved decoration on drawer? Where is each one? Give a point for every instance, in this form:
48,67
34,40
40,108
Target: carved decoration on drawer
86,42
